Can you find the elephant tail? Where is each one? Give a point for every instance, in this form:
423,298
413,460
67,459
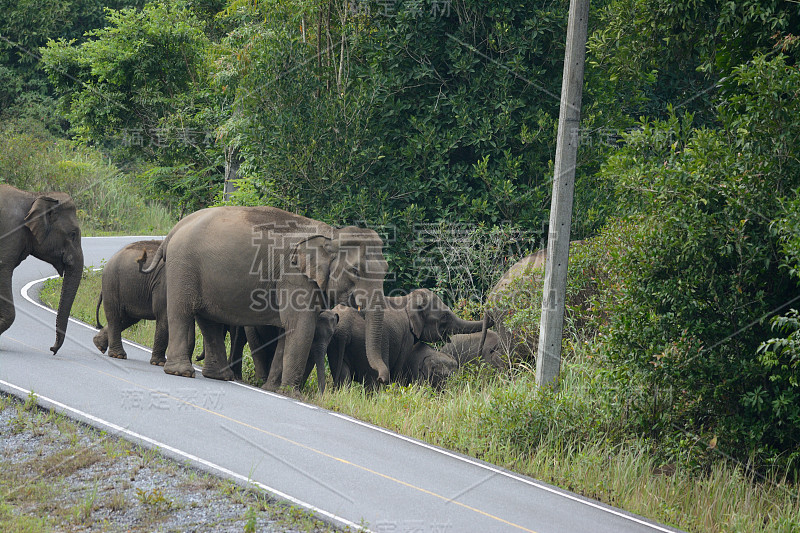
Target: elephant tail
97,311
161,253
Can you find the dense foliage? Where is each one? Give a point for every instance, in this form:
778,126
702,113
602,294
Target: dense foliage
699,266
435,122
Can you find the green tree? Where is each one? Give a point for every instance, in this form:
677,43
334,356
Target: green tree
654,53
24,27
698,268
141,85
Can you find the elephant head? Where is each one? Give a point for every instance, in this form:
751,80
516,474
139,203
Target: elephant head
432,321
436,367
349,268
56,239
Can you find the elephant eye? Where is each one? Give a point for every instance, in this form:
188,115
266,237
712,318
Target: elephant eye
354,270
73,235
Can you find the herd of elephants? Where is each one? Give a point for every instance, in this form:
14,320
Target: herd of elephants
293,288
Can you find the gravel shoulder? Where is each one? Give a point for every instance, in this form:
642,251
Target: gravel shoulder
57,474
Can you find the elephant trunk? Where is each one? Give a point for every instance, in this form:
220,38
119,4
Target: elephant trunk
374,340
72,280
466,326
485,325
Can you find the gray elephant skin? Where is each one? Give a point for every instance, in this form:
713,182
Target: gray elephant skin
262,266
466,349
46,227
426,365
497,308
420,316
127,296
267,347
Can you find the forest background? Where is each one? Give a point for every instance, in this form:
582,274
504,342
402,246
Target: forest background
434,122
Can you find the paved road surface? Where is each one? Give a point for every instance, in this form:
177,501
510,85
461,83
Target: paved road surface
348,471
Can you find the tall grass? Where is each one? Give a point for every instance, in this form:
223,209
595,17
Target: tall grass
108,201
562,439
577,438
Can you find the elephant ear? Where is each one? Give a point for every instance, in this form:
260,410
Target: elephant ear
415,309
313,258
40,217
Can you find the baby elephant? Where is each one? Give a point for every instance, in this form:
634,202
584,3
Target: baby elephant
465,348
129,296
424,364
266,348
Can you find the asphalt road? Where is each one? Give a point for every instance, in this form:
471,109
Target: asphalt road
347,471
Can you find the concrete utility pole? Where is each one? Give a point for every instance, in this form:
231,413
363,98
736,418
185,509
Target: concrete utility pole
548,358
232,162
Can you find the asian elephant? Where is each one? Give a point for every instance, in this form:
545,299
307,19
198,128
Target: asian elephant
500,301
466,349
46,227
424,364
261,266
128,296
267,347
418,316
514,288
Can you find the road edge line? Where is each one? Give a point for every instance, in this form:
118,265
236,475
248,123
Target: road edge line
186,455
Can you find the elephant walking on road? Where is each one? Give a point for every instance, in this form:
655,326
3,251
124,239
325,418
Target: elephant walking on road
418,316
46,227
127,296
261,266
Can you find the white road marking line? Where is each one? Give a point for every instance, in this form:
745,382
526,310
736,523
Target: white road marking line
494,470
186,455
532,483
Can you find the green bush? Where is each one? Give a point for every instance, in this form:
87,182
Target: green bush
696,268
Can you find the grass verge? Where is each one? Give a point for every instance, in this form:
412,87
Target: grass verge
571,438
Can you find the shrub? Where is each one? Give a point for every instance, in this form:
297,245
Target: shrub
696,265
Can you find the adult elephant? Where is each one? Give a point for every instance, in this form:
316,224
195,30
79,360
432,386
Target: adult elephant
46,227
419,316
511,291
128,297
253,266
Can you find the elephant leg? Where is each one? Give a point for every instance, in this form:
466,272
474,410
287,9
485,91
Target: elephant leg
181,343
160,341
276,368
345,374
316,361
340,370
7,311
296,347
116,325
238,340
263,341
101,340
216,362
